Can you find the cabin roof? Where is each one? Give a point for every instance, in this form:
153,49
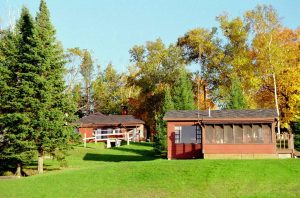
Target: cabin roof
203,115
101,119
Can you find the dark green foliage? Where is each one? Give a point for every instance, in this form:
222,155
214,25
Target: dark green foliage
183,96
16,145
181,99
160,138
53,109
168,103
296,131
35,110
236,96
160,143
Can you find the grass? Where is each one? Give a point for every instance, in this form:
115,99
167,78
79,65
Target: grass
134,171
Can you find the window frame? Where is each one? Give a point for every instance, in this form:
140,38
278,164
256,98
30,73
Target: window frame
178,134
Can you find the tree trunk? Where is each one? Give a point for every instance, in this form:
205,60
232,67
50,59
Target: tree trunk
40,161
18,171
276,102
88,98
204,95
275,85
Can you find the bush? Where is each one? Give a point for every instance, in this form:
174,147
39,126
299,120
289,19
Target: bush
7,173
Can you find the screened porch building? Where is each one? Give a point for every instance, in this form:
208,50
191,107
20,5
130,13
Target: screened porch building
221,134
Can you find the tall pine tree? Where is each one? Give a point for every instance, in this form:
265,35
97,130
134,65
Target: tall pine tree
236,96
16,91
160,143
183,96
52,109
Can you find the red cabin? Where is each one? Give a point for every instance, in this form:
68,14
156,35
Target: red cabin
221,134
114,126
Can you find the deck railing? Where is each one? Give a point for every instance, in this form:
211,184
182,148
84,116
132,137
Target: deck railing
113,134
285,141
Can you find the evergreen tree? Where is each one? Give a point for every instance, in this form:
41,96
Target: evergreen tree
16,91
52,107
236,97
183,96
168,103
160,143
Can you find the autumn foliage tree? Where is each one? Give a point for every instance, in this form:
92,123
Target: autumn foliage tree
110,91
276,55
81,91
201,46
155,67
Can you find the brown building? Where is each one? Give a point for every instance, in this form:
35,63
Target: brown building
221,134
101,124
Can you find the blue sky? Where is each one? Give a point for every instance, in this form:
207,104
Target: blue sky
109,28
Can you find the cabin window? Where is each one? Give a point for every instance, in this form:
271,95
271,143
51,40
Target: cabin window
177,134
238,133
187,134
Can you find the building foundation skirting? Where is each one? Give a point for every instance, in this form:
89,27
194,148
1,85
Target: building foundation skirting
241,156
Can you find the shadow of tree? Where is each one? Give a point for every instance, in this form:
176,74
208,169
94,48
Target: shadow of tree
139,151
115,158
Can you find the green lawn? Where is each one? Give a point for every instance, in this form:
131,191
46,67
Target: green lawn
133,171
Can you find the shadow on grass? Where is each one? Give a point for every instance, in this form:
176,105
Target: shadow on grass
148,144
115,158
142,154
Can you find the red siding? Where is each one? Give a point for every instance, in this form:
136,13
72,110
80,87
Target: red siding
88,131
239,149
182,151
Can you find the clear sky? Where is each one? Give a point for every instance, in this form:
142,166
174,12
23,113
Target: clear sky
109,28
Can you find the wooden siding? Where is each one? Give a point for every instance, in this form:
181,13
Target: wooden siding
181,151
241,151
89,132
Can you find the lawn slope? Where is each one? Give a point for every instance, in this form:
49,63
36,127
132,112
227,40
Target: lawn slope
133,171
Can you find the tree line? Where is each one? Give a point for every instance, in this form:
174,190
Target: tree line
247,62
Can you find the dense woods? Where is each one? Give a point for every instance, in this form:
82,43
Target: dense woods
247,62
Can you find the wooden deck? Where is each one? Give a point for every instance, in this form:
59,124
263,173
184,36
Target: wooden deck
284,151
296,153
293,153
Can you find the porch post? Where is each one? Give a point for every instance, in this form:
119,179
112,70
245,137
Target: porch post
127,134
